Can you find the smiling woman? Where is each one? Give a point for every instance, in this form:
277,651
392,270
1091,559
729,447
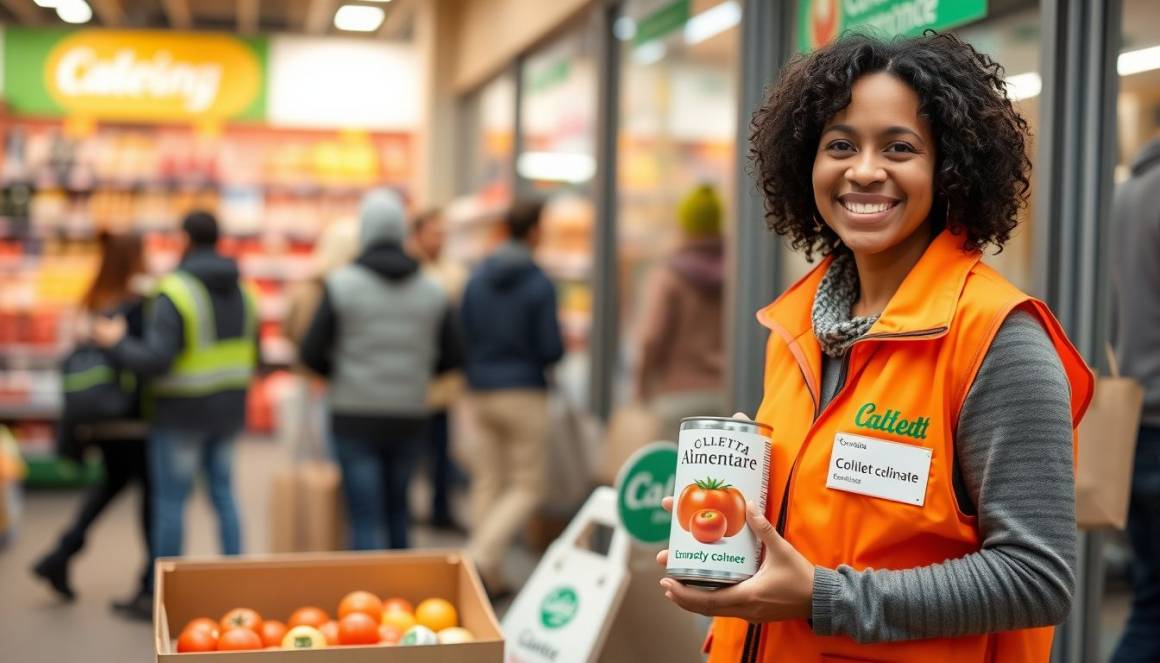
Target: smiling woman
914,532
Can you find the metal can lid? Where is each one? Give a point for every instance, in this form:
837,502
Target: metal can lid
725,423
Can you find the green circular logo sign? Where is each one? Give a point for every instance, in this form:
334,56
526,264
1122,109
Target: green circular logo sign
559,607
644,481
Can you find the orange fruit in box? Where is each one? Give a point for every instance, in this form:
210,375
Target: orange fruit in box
398,604
308,616
399,619
242,618
203,624
273,632
238,639
358,629
193,640
364,602
436,614
329,631
304,637
389,635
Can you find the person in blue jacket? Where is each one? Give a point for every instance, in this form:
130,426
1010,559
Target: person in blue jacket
513,337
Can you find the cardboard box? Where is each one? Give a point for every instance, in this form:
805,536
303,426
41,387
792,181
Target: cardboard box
275,585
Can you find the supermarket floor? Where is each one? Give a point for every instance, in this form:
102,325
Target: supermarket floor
36,628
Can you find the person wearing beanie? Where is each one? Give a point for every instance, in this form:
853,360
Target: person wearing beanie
383,329
682,347
198,355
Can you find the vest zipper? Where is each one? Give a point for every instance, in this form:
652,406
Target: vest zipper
753,633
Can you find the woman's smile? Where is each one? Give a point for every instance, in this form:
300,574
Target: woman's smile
868,208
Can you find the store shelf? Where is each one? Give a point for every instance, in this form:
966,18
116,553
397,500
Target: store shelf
31,353
10,411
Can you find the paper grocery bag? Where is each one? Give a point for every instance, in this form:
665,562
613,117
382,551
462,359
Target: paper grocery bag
306,511
631,427
1107,447
323,516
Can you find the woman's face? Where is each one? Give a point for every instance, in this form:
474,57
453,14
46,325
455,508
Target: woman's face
874,171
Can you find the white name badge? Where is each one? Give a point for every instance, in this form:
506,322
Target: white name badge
878,468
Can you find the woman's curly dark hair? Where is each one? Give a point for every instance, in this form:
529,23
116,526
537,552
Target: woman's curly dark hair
982,166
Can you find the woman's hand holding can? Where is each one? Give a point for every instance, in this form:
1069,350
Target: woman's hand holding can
781,589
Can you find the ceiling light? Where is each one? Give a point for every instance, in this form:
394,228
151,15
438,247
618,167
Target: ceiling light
1135,62
1024,86
74,11
712,22
556,167
624,28
47,4
358,18
649,53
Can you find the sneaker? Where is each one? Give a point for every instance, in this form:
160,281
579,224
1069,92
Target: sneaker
54,571
138,608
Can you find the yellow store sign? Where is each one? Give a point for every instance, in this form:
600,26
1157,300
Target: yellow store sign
139,75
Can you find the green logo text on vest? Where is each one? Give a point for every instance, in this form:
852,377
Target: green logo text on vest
891,422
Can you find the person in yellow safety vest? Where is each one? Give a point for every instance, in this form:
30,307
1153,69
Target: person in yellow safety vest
199,353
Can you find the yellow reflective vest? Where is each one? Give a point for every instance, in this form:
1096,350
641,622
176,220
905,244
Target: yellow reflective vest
207,364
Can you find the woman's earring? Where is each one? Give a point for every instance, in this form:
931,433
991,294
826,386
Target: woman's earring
818,223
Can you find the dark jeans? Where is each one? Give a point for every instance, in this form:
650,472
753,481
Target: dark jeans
441,467
124,463
1141,641
375,477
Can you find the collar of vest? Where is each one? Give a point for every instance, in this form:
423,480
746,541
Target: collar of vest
924,304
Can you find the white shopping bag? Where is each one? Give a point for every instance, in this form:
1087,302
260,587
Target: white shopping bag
565,611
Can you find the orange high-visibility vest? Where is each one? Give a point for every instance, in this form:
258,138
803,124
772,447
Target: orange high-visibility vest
918,359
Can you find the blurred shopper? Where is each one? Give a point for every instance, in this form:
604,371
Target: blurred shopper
682,363
903,349
337,247
382,330
200,348
303,414
1136,275
116,291
426,244
509,320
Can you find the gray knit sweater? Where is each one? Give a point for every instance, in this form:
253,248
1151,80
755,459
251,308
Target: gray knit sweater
1014,454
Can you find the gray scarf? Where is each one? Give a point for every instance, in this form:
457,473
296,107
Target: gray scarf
833,326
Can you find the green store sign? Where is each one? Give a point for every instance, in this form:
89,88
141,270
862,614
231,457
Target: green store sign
822,21
646,479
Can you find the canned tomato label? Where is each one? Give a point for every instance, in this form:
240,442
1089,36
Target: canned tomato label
721,464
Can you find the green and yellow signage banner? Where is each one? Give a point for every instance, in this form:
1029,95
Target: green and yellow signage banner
135,75
822,21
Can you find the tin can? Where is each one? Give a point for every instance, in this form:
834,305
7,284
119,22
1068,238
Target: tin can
721,464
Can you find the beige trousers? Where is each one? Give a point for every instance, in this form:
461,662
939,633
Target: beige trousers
509,473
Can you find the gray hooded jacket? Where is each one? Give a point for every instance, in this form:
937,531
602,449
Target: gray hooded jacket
383,328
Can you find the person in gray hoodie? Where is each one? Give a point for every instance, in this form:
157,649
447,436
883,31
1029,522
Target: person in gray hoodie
1136,280
382,330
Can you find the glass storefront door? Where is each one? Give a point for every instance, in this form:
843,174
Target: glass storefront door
679,67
